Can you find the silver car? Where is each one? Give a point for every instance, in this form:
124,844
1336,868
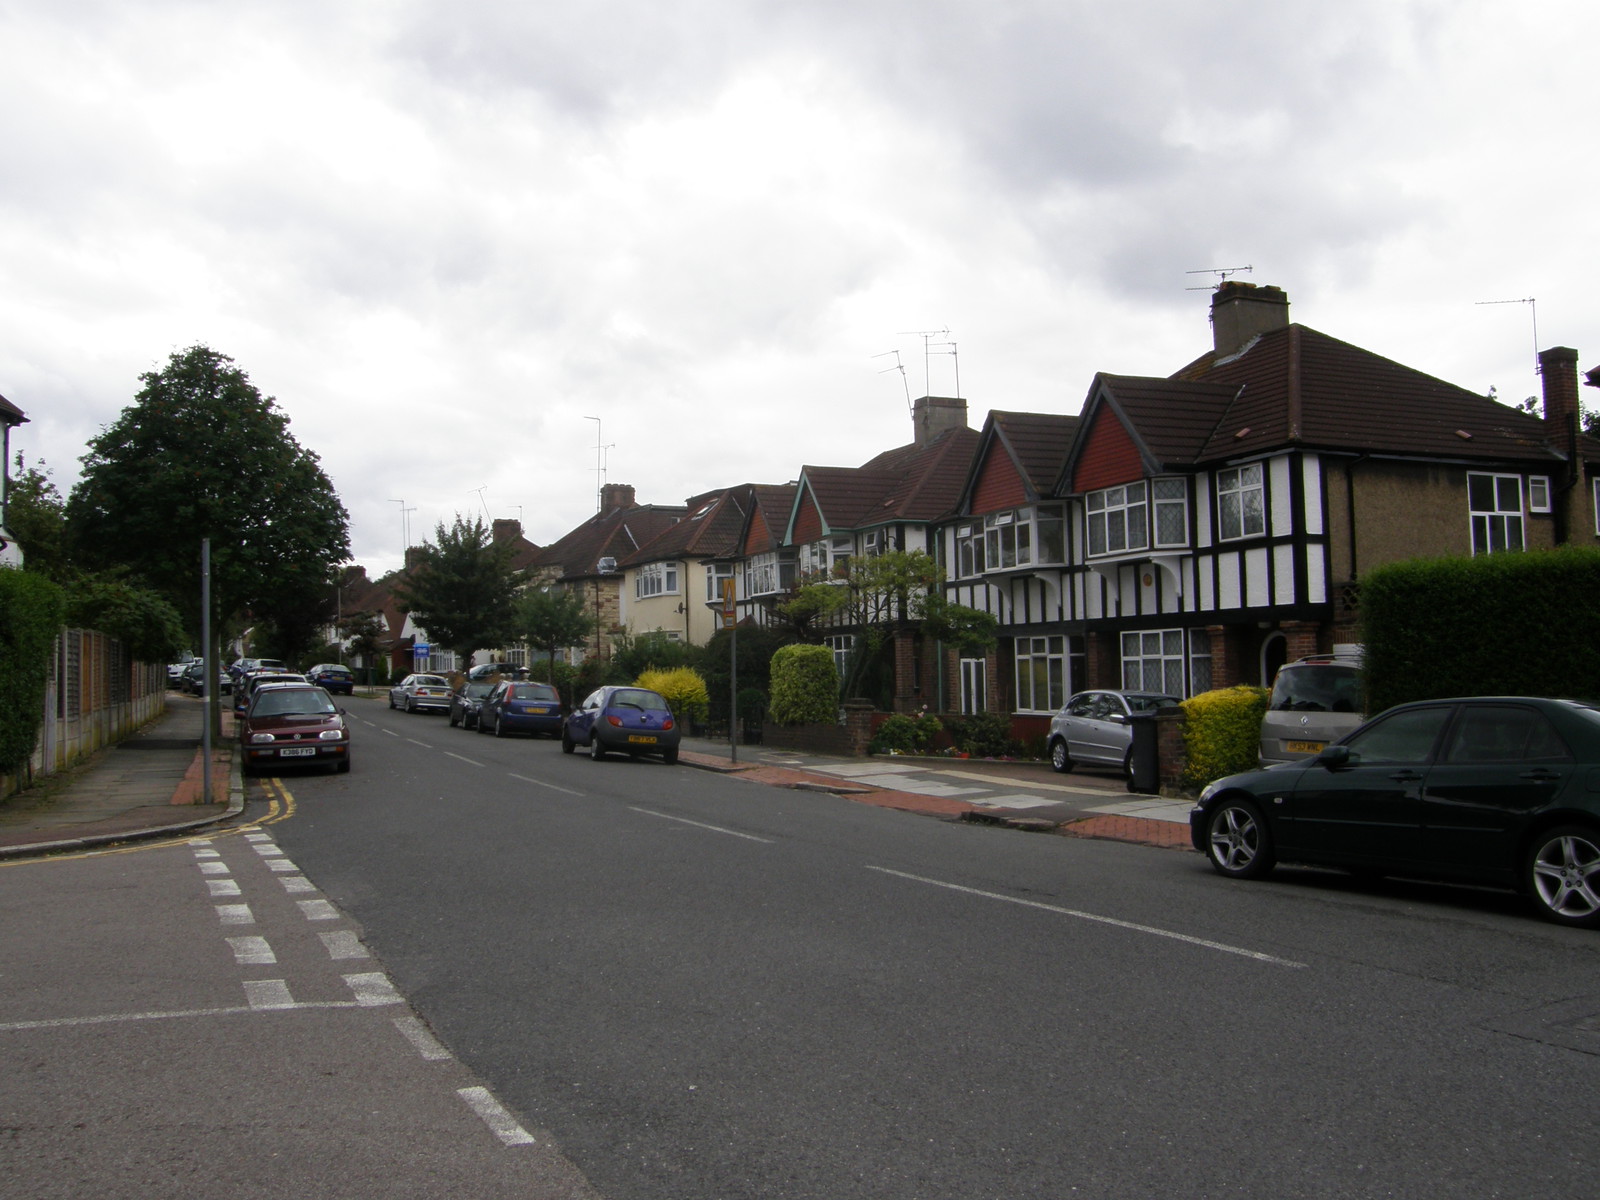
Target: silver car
1092,728
421,693
1314,701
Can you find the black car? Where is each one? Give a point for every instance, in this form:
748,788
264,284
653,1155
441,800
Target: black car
1496,790
464,702
334,677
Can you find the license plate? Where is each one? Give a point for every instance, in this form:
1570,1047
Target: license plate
297,752
640,737
1304,747
541,711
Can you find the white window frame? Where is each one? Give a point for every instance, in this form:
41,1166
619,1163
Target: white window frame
1175,501
1041,660
1500,524
1236,516
1538,493
841,644
1118,519
716,572
974,686
1153,660
655,579
969,551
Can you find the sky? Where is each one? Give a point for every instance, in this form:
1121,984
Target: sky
485,255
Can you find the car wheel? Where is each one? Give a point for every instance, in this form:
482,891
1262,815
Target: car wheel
1058,756
670,757
344,765
1237,841
596,750
1563,875
409,708
1127,768
499,727
567,744
391,699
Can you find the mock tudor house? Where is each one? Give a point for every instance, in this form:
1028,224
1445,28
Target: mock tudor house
10,416
891,502
1219,519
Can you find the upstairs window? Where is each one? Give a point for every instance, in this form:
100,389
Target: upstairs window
1119,519
656,579
1241,502
1495,503
1171,502
715,574
969,551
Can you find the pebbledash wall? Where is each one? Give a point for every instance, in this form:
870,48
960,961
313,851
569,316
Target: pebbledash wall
95,695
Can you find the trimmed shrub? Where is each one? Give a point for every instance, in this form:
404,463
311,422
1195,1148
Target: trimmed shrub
902,734
1222,735
683,688
1425,623
31,608
984,735
805,686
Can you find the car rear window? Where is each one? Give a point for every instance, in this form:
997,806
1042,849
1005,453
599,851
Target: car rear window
638,698
1317,688
534,691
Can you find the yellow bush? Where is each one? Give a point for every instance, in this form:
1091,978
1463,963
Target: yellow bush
683,688
1222,735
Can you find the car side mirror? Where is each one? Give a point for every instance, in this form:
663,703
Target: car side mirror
1118,718
1333,757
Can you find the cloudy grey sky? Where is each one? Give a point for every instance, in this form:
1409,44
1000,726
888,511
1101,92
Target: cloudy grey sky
444,234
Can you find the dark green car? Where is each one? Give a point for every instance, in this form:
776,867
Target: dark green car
1500,790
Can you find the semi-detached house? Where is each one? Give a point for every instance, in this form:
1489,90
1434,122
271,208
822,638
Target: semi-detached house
1218,519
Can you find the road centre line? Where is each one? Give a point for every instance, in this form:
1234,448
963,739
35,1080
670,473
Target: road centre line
1098,919
543,784
424,745
471,762
702,825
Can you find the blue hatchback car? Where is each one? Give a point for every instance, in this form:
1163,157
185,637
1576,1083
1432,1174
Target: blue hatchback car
518,706
623,720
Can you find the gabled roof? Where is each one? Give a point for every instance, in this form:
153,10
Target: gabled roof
616,534
919,483
1293,387
10,414
711,530
1029,448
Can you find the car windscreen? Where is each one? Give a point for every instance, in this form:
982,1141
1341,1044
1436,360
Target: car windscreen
285,702
636,698
428,681
1150,703
1314,688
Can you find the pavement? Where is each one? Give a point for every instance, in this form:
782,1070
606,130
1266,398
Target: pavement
151,785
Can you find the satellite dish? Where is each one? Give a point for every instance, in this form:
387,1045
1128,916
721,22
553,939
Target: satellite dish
606,566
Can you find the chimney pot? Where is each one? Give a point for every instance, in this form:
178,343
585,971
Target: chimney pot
1241,311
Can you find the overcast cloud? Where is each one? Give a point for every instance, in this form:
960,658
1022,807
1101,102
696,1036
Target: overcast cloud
442,235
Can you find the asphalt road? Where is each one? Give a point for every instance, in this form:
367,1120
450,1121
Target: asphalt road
705,988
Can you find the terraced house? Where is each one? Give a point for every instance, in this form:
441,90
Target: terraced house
1217,520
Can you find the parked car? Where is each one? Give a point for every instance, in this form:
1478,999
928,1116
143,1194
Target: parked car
1490,790
1314,701
337,678
294,725
623,720
1092,728
517,706
244,689
504,670
193,680
421,693
464,702
243,666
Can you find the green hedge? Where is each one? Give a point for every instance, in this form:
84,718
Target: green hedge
1222,734
1498,624
31,609
805,686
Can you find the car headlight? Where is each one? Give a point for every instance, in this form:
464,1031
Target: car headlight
332,735
257,739
1208,791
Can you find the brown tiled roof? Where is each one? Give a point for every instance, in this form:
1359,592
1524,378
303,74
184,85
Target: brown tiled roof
1296,386
1171,421
10,413
712,528
616,534
909,483
1038,444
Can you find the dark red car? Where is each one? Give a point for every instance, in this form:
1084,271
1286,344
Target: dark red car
294,725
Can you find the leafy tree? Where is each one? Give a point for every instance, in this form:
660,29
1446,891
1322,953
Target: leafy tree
139,618
35,516
201,453
635,654
464,589
551,619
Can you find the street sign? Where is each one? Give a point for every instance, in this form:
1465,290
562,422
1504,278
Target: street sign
420,650
728,613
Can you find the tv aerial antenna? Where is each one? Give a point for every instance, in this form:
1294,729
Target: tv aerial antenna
599,463
929,349
479,491
898,366
1221,273
1533,311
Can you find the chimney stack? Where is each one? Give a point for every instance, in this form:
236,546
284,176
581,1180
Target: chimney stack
932,415
615,496
1558,371
1241,311
507,529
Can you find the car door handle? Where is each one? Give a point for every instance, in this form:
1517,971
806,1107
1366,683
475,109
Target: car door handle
1406,776
1541,775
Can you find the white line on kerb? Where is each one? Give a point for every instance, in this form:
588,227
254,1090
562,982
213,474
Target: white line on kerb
502,1123
543,784
1086,916
702,825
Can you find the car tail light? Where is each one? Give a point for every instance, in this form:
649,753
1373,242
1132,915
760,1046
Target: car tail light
667,724
617,721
